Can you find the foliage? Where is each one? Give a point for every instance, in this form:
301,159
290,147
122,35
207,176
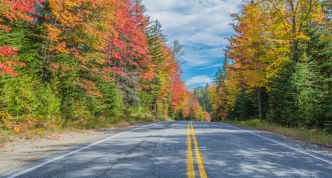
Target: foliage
202,95
26,97
86,62
280,65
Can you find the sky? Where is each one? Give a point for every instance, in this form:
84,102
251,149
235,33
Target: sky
201,26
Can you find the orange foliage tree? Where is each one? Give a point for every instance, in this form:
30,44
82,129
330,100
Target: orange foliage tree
91,50
207,116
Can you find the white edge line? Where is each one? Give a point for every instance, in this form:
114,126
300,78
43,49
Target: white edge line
73,152
284,145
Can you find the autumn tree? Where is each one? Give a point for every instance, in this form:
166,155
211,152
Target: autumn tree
87,61
14,11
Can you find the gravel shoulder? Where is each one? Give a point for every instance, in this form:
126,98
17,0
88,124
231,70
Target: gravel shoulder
23,151
318,149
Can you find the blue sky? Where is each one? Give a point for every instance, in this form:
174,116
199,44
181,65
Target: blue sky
201,26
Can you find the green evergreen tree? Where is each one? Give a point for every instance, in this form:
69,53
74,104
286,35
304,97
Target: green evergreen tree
306,95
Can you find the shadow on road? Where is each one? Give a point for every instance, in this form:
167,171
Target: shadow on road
159,150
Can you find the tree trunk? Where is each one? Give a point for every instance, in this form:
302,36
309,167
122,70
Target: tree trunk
157,104
259,104
295,41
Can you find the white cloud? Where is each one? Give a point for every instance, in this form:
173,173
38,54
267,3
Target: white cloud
200,25
203,79
204,58
194,18
211,66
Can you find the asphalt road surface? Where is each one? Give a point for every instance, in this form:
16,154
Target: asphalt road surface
181,149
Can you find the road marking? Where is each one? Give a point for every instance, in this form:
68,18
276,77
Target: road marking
68,154
198,155
190,161
284,145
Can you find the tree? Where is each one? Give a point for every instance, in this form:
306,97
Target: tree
260,47
306,95
178,51
14,11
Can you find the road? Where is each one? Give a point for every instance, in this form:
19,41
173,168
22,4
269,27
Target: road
160,150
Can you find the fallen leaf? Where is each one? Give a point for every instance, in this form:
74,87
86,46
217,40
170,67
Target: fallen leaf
242,158
38,146
277,158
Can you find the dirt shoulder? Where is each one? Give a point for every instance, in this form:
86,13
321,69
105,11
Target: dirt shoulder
23,151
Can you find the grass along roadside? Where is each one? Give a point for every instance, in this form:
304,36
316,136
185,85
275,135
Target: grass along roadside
313,136
49,130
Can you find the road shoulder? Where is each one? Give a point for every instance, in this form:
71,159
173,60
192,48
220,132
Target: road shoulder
22,151
314,148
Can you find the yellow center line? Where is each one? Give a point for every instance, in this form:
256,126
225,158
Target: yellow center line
198,155
190,161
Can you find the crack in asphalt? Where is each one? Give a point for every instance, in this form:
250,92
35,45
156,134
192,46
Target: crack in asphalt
153,162
125,155
155,168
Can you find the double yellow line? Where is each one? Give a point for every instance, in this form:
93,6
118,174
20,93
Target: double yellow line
190,160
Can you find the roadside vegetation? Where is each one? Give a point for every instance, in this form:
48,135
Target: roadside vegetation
87,64
313,135
31,131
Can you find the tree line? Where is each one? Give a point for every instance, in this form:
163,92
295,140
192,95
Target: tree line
278,65
74,60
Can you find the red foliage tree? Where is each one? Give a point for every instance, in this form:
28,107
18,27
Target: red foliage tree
14,10
128,45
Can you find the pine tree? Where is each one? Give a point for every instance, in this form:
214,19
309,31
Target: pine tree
306,96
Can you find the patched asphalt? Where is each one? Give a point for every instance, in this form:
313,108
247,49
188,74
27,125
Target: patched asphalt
159,150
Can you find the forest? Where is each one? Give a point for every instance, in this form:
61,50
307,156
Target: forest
278,66
83,63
